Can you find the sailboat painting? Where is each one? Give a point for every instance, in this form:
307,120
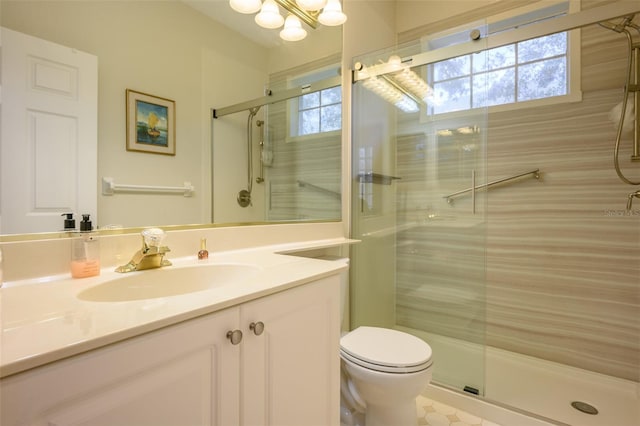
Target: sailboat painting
150,123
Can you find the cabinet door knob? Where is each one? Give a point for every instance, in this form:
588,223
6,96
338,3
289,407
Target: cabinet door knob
257,327
235,336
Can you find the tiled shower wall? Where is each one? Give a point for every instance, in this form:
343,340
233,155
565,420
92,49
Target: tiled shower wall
303,174
560,256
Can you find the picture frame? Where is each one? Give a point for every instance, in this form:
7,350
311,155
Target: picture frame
150,123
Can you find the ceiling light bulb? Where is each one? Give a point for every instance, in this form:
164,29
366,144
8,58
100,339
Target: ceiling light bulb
269,16
332,14
311,4
395,62
245,6
293,30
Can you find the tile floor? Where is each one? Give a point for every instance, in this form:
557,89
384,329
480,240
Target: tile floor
433,413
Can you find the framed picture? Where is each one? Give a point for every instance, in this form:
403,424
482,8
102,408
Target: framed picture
150,124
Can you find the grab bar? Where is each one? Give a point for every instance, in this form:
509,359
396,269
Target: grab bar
109,187
535,173
303,184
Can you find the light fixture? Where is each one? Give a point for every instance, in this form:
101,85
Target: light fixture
397,83
332,14
245,6
311,12
269,16
414,84
293,30
311,5
384,88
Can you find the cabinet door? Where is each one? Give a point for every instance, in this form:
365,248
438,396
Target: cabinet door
291,372
186,374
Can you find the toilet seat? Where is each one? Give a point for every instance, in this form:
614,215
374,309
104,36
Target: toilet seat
385,350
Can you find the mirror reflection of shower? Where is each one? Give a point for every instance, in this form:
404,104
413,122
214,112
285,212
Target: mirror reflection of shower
244,196
260,124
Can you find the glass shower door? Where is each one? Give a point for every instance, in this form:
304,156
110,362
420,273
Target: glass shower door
418,158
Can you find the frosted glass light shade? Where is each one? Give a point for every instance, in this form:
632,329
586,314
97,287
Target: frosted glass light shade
332,15
269,16
311,4
245,6
293,30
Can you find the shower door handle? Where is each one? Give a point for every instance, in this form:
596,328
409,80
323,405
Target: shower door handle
473,191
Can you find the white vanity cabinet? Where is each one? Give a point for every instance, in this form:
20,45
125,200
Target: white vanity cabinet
192,374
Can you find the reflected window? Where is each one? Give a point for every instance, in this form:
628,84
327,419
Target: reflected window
317,113
320,111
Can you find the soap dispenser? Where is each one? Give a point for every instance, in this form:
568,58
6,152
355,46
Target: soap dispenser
85,251
69,222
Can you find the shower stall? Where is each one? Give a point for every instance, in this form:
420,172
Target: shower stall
492,221
277,158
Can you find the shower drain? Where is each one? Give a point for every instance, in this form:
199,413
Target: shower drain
584,407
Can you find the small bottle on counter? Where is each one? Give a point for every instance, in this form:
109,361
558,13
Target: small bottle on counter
203,253
85,251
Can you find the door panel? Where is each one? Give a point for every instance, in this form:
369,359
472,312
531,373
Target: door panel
48,143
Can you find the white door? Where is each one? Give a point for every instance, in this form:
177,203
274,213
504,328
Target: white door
48,138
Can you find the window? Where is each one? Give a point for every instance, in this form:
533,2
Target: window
316,113
513,74
320,112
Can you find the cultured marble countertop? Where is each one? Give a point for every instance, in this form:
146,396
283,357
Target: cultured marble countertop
43,320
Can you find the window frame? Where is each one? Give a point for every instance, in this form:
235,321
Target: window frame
503,22
293,105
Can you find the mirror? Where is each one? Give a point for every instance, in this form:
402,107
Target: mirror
182,51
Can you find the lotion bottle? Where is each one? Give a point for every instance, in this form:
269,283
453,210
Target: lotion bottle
85,251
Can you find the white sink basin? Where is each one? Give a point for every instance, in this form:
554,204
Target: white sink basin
167,281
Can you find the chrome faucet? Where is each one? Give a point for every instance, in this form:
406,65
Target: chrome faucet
151,255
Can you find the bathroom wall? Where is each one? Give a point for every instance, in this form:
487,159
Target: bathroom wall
562,270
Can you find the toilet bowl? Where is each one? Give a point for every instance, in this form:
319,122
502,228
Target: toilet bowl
385,370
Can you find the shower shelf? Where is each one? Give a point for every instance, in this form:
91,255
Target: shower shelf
377,178
535,173
303,184
109,187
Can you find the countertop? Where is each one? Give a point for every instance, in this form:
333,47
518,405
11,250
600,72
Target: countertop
42,320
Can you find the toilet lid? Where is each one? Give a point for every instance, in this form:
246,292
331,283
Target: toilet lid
383,349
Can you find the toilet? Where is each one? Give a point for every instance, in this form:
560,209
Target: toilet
383,372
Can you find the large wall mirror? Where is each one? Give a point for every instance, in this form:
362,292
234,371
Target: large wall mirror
186,59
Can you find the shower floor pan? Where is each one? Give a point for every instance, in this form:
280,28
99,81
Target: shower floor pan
540,387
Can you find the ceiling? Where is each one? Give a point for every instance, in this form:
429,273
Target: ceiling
220,11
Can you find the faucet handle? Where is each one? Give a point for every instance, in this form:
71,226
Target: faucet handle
153,237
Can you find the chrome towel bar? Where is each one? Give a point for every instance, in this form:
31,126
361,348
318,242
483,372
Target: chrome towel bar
535,173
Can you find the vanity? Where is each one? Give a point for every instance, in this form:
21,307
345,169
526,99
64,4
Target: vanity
259,346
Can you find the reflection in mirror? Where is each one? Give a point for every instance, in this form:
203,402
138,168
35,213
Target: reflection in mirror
176,50
294,171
